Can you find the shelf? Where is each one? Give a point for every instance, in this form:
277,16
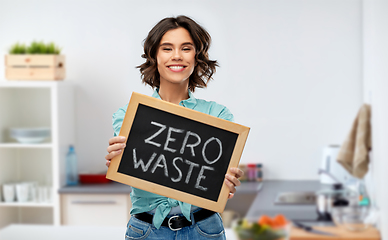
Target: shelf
25,145
35,104
26,204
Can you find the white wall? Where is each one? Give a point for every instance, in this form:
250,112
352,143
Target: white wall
290,69
375,76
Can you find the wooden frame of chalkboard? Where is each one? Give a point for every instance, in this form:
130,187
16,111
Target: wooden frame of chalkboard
177,152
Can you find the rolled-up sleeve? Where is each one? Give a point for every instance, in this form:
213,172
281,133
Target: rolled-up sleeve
226,114
117,120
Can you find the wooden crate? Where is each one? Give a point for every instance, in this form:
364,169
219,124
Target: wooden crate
35,67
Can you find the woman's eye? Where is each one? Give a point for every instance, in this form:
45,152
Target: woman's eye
186,49
166,49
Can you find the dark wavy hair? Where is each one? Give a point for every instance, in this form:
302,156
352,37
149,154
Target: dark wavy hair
204,68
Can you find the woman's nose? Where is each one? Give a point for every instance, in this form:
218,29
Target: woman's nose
177,55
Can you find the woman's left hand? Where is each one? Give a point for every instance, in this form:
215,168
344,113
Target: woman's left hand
231,180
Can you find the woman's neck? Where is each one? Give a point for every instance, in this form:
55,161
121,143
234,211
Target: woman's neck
173,93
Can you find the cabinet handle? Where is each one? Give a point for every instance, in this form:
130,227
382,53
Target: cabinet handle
93,202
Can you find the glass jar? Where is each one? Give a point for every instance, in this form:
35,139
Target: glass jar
252,172
259,172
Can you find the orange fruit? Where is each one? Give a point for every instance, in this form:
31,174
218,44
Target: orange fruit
279,220
265,220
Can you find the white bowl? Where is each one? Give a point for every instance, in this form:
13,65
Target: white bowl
30,135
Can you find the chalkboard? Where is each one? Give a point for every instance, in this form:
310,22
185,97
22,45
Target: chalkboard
177,152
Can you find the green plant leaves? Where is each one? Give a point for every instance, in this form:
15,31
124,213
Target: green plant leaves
35,48
18,49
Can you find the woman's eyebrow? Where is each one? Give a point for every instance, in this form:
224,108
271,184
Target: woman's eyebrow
170,44
166,44
188,43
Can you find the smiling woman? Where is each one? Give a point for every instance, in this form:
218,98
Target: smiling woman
177,62
176,59
192,39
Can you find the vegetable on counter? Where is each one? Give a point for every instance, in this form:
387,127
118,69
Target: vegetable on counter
266,228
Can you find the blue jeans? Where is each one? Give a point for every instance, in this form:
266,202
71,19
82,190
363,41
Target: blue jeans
209,228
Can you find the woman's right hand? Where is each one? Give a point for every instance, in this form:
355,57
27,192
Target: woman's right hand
116,146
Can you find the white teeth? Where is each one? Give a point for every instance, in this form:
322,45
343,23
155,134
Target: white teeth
176,67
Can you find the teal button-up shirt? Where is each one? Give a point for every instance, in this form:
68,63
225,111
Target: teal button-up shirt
143,201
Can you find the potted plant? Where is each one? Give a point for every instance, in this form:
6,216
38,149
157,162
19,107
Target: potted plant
38,61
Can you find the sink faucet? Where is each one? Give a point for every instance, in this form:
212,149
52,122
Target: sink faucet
322,171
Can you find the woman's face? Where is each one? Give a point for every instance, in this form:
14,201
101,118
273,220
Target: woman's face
176,57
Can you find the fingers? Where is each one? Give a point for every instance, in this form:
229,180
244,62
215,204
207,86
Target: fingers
118,139
238,172
231,195
116,146
231,180
113,154
234,182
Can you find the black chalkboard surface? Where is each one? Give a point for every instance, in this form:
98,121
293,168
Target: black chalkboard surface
177,152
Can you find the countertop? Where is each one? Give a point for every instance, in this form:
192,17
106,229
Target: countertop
264,201
119,188
49,232
105,188
264,204
340,234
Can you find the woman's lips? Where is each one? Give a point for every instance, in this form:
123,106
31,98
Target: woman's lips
175,68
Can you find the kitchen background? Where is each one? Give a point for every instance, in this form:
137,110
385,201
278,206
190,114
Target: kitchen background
295,72
290,70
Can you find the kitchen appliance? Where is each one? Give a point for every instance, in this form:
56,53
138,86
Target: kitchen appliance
329,164
328,198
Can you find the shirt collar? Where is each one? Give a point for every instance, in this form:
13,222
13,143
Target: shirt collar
191,102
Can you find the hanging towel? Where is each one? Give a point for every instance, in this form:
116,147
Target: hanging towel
354,152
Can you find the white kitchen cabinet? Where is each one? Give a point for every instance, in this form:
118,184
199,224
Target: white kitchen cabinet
35,104
95,209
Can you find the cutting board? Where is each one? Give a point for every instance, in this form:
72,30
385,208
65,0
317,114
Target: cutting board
368,234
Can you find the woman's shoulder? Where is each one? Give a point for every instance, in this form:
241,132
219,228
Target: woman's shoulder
215,109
